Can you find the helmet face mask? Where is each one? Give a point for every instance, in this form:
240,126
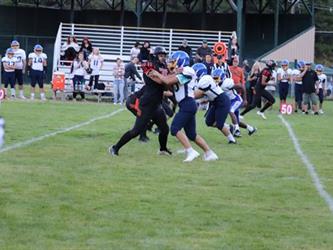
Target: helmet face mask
218,75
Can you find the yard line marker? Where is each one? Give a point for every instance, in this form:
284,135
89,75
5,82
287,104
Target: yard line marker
60,131
311,168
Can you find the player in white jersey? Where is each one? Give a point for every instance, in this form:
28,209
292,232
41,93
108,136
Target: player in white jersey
236,102
20,65
322,86
183,84
284,78
95,63
37,63
219,103
8,63
297,79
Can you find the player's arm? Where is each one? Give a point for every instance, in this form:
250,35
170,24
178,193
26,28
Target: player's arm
198,93
279,76
159,78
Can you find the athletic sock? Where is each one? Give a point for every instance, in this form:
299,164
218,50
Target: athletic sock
21,92
231,138
236,126
32,95
42,95
12,92
249,128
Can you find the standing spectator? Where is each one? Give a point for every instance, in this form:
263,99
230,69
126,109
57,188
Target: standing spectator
70,49
38,64
321,88
9,62
20,65
186,48
310,81
221,64
233,47
253,78
144,54
130,73
135,51
79,70
96,64
284,77
86,48
209,64
202,51
238,77
118,84
297,79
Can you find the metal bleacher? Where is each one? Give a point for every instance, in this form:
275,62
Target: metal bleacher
117,41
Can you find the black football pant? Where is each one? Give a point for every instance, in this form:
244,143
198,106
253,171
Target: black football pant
257,99
154,113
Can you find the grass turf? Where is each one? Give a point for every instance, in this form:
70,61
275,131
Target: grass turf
66,192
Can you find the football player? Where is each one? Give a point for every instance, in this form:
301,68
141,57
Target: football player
284,78
20,65
183,83
322,87
297,79
8,63
219,103
38,65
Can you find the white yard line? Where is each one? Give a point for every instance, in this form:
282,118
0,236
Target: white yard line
310,167
60,131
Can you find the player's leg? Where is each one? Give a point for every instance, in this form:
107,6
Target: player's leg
6,82
321,100
33,77
256,101
221,114
41,85
160,119
19,79
12,84
270,100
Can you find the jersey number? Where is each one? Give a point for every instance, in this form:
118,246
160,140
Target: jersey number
38,60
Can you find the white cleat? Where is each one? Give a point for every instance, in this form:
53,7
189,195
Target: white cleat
262,115
22,97
321,111
210,156
191,156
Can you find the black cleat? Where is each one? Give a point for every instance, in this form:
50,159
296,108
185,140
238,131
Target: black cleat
253,131
232,142
237,133
165,152
113,151
144,139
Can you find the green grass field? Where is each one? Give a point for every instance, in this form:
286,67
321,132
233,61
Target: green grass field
66,192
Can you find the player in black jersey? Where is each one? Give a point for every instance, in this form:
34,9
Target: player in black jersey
149,107
265,76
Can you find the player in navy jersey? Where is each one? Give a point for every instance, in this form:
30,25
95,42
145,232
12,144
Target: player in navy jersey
183,83
219,103
149,108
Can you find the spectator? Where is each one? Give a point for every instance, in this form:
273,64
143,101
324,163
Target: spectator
310,81
144,54
253,78
70,48
130,73
96,64
202,51
233,47
184,47
135,51
79,70
118,84
221,64
238,77
86,48
209,64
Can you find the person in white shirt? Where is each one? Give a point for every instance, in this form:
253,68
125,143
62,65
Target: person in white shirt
322,86
8,63
70,48
284,78
297,79
96,64
20,65
38,64
79,71
118,83
135,50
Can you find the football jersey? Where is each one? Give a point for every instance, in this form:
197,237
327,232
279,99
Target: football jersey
207,84
37,61
229,89
322,81
295,73
272,82
20,56
185,86
284,74
78,68
9,61
95,63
